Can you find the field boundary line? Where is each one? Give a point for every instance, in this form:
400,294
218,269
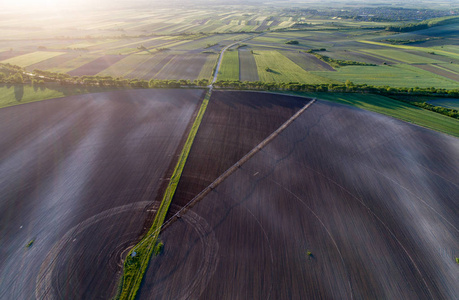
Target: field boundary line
236,166
138,258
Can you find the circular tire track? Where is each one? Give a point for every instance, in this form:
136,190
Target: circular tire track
60,258
158,280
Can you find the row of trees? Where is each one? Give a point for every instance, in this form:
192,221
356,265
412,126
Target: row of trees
347,87
423,25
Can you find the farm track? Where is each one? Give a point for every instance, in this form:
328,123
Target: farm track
235,122
368,195
77,173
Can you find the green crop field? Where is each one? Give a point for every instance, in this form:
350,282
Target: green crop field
229,70
207,68
282,69
25,93
397,76
393,108
31,58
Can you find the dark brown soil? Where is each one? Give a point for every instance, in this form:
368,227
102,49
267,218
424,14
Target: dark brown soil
372,198
78,176
233,124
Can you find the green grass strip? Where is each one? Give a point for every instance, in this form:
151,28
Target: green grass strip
136,265
390,107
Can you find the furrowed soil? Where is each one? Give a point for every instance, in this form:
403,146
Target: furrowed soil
234,123
97,65
247,66
78,178
343,204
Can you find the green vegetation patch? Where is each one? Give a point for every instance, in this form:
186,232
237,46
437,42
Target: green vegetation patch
396,76
138,258
25,93
207,68
274,67
229,70
393,108
31,58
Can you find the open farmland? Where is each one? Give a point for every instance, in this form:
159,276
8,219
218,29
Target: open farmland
183,67
282,69
52,62
229,69
234,123
207,68
94,167
390,76
394,108
11,95
342,204
125,66
96,66
31,58
247,66
307,62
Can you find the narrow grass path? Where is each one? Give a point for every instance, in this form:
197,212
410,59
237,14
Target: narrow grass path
138,258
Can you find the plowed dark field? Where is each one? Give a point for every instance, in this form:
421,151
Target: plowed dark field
372,198
78,177
234,123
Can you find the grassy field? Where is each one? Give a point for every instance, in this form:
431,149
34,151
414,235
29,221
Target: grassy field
207,68
282,69
21,94
31,58
393,108
396,75
229,69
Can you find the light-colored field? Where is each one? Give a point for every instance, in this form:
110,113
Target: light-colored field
424,49
397,76
283,69
206,71
75,63
125,66
31,58
402,56
229,69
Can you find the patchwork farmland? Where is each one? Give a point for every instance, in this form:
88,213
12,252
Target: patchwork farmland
267,196
315,158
